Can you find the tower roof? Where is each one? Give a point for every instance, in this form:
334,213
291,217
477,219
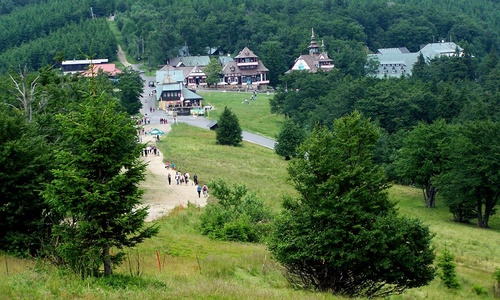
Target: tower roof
313,46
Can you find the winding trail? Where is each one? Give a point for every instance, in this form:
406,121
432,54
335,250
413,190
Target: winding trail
158,194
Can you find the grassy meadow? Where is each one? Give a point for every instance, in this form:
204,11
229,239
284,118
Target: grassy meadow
180,263
255,117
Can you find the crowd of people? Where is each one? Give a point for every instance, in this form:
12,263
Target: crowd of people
151,150
185,179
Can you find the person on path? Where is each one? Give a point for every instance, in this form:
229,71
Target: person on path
205,191
169,179
198,189
195,179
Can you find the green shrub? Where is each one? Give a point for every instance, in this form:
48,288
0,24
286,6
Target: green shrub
448,274
496,286
479,290
236,215
240,230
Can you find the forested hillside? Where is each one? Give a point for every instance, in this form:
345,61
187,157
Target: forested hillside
349,28
70,175
35,31
277,30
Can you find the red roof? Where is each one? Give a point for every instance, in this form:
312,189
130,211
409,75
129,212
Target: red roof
109,69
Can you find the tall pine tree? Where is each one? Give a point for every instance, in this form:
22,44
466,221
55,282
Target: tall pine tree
96,189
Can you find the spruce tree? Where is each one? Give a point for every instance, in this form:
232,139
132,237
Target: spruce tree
342,234
96,188
228,131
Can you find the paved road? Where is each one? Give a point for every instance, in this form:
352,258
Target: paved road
202,122
150,101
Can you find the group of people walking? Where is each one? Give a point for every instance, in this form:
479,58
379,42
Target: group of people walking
150,150
184,179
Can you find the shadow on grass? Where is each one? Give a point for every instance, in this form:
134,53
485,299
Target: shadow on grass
119,281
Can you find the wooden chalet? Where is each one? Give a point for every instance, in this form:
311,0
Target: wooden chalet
173,96
245,70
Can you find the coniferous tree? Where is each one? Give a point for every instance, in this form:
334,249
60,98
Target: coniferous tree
25,159
228,131
95,188
289,138
343,235
447,270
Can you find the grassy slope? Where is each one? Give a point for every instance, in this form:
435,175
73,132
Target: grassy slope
255,117
194,267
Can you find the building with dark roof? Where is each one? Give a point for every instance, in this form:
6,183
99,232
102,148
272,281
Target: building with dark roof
246,70
172,95
315,60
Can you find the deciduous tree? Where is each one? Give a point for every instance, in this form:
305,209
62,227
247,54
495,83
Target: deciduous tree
471,180
422,157
212,70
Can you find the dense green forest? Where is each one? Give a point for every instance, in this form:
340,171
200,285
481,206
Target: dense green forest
40,33
349,28
278,31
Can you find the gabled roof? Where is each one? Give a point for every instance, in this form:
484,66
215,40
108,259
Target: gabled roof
245,53
435,49
186,93
312,63
390,51
225,60
315,60
237,70
227,68
175,75
401,59
190,95
196,71
190,61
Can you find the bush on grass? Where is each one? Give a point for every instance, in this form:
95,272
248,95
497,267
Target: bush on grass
235,215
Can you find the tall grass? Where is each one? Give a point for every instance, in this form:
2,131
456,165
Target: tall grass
182,264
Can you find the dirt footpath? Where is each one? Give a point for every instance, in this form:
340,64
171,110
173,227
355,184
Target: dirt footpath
160,196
